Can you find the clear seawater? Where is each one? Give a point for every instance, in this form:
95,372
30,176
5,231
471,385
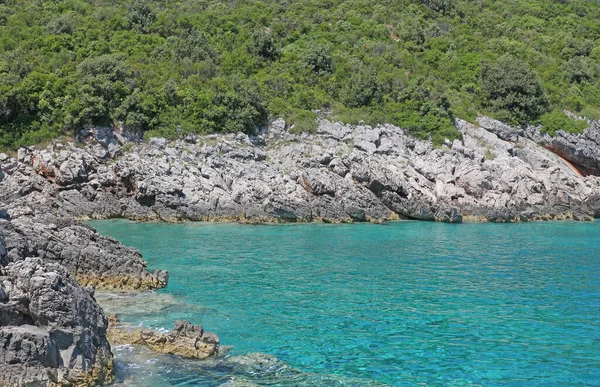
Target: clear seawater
399,304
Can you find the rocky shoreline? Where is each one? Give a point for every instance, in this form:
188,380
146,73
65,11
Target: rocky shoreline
341,173
185,339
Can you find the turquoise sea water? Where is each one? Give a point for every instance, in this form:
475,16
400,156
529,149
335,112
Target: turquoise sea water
402,304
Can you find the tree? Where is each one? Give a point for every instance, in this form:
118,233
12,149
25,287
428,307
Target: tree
579,69
264,46
317,57
442,6
363,89
105,83
140,16
513,91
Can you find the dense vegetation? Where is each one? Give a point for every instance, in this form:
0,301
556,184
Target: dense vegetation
174,67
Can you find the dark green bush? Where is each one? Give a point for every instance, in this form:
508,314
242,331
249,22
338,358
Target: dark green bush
317,57
513,91
364,89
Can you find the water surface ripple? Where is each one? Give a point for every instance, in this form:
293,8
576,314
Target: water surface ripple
403,303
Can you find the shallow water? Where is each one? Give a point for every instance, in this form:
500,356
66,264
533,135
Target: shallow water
403,303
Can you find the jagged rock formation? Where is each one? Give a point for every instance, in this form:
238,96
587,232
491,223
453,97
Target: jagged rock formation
34,227
52,331
583,151
186,339
94,260
342,173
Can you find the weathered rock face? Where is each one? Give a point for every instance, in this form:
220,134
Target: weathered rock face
33,226
340,174
94,260
52,331
583,150
186,339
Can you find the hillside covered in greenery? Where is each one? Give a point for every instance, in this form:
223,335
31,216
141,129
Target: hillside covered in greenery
175,67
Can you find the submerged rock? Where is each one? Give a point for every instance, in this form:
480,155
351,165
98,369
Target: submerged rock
52,331
255,363
237,382
186,339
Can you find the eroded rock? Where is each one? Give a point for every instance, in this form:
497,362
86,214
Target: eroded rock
186,339
52,331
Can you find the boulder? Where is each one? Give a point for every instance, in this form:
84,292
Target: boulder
52,331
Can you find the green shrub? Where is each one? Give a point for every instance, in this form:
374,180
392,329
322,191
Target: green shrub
303,122
557,120
318,59
363,89
590,113
127,147
513,91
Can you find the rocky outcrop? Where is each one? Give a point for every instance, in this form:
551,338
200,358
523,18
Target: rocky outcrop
33,226
92,259
52,331
583,151
340,174
186,339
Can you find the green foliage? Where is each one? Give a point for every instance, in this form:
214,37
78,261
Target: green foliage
105,84
557,120
175,67
590,113
263,46
512,90
579,69
239,108
303,122
317,57
364,89
490,154
127,147
140,16
443,6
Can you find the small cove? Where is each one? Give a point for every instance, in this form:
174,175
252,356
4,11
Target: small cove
401,304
